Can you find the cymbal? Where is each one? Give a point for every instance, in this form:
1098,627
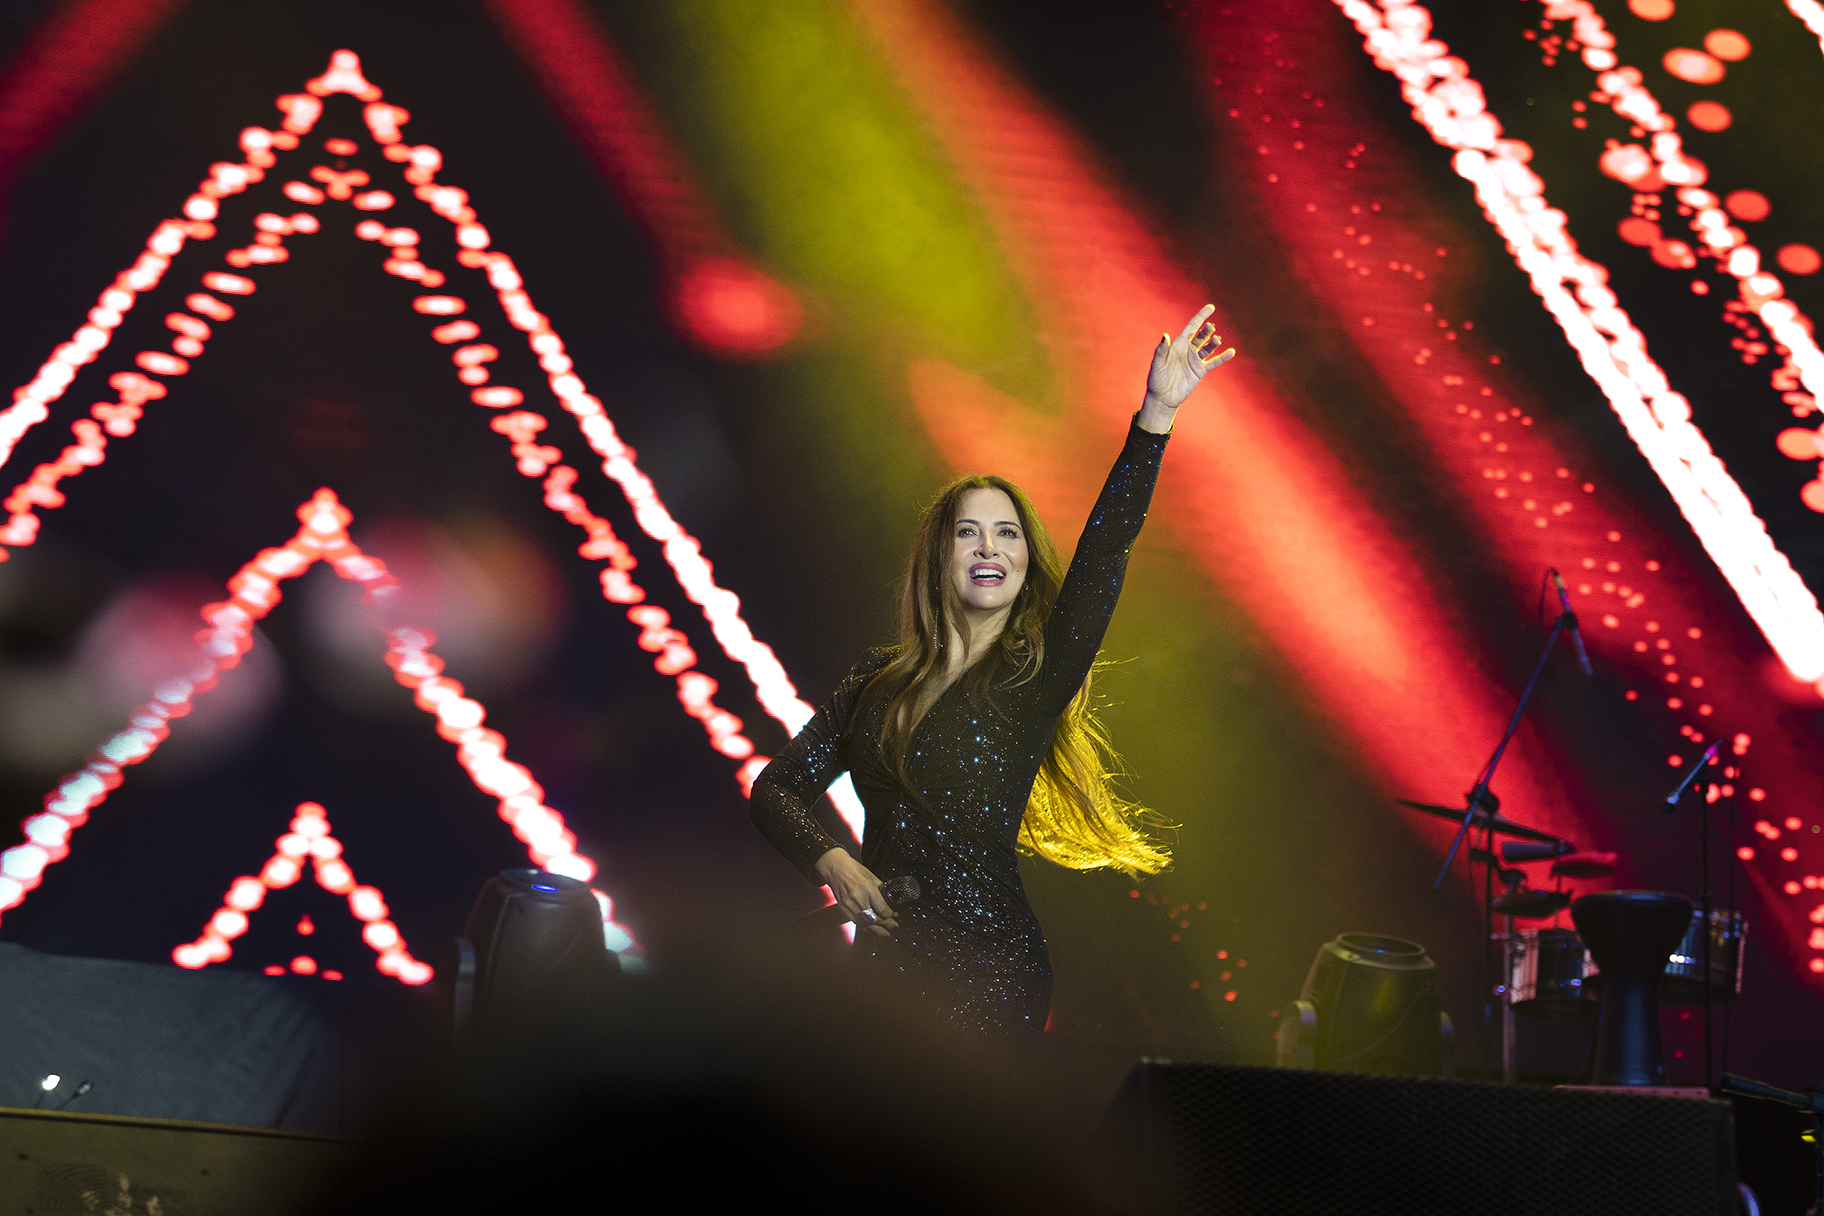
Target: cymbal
1500,822
1531,903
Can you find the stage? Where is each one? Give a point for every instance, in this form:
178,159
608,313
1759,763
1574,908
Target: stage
459,438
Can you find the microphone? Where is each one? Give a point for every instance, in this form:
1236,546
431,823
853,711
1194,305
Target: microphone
901,890
1514,851
1708,758
1570,618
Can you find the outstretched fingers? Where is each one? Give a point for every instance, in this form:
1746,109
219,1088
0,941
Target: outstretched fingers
1179,365
1197,323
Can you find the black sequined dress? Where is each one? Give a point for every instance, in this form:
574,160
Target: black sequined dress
972,943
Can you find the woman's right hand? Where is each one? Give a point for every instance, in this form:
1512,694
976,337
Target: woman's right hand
856,888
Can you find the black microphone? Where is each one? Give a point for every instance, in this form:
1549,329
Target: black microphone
1708,758
902,890
1570,619
1514,851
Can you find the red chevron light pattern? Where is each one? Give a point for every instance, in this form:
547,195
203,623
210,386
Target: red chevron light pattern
254,592
308,840
420,165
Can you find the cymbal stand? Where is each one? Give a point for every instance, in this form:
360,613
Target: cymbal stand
1703,924
1478,798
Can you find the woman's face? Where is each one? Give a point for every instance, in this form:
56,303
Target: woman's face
988,557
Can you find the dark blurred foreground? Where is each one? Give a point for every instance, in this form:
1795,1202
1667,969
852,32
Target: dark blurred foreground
747,1068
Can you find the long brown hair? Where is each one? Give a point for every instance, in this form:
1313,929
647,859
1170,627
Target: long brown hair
1074,817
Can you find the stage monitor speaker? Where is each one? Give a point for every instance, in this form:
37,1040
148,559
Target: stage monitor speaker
1282,1142
56,1163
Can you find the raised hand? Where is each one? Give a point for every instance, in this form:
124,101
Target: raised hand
1178,367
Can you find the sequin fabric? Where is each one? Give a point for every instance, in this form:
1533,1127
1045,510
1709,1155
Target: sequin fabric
971,944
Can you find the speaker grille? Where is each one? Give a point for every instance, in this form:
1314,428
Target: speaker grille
1241,1141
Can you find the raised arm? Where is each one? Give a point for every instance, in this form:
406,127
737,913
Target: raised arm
1086,602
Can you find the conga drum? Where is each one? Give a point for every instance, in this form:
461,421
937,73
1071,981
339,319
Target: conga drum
1630,935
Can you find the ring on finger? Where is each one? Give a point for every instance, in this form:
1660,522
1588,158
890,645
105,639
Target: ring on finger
869,915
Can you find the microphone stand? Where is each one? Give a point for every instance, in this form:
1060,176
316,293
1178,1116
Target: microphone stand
1478,798
1703,924
1480,794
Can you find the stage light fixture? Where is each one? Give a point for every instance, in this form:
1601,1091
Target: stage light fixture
1369,1005
532,952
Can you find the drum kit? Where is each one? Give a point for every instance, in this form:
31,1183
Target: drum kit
1555,972
1547,970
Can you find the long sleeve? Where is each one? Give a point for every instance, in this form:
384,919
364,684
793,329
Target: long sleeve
1086,602
789,787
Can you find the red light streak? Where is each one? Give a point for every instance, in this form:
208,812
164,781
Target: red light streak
310,839
719,298
1449,103
255,591
31,401
1760,291
1812,14
120,418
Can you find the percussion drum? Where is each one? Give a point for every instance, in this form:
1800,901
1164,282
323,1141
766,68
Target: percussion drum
1549,976
1684,979
1631,935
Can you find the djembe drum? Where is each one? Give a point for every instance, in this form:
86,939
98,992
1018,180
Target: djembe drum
1630,935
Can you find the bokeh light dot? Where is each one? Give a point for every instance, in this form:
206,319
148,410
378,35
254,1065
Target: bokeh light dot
1746,204
1694,67
1709,115
1636,231
1798,259
1727,45
1651,10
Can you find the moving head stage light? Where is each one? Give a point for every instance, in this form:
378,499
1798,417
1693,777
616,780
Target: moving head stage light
533,952
1370,1005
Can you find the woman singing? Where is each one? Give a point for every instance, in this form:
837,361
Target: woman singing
973,738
